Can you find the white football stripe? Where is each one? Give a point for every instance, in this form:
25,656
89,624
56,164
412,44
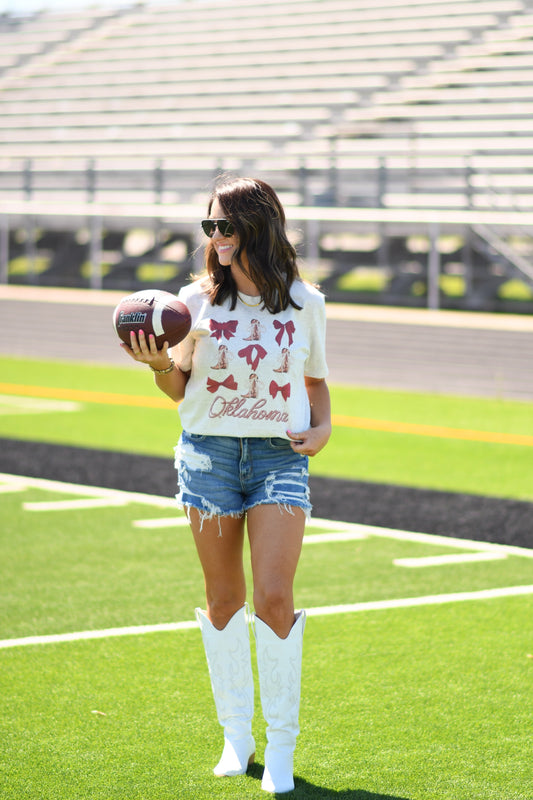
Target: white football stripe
75,505
166,522
456,558
338,536
157,318
318,611
427,600
17,404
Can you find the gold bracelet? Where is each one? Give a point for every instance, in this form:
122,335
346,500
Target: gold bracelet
164,371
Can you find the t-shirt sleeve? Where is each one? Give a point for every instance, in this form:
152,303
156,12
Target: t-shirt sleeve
315,311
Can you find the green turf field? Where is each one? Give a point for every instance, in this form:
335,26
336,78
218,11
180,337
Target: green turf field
480,446
416,673
405,697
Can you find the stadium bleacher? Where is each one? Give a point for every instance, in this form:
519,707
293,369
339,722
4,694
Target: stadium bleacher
385,104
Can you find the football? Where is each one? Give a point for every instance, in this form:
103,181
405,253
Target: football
152,311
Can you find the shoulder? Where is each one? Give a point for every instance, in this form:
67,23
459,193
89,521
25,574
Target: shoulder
193,293
306,294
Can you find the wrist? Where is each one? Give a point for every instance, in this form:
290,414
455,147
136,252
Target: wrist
165,370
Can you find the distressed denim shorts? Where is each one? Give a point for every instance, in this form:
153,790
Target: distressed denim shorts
227,475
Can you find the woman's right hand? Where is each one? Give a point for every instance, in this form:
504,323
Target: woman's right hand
146,352
171,381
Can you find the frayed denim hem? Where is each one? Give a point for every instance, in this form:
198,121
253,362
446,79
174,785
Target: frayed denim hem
212,513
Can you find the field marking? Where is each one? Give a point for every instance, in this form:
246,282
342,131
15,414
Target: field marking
75,505
78,636
427,600
337,536
15,405
319,611
10,489
339,420
446,541
433,431
88,396
330,524
20,482
456,558
162,522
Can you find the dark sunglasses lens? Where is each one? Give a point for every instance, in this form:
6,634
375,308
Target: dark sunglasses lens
208,226
225,227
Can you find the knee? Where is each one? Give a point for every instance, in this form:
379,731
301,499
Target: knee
221,610
276,608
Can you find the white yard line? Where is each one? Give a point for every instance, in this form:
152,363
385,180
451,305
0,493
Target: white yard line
24,482
14,404
427,600
162,522
337,536
75,505
8,488
106,633
330,524
456,558
445,541
376,605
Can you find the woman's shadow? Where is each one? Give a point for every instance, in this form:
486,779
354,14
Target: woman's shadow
303,790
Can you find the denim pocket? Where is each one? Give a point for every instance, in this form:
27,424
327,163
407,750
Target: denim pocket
277,443
195,437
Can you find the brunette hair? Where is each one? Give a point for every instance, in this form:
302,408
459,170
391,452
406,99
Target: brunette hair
259,221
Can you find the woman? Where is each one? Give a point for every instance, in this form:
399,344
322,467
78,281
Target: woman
250,420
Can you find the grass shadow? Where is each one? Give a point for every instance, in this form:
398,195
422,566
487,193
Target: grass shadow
303,790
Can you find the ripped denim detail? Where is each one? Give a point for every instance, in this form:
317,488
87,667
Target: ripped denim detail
285,490
186,455
187,460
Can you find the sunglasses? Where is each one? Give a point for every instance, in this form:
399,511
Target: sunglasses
225,227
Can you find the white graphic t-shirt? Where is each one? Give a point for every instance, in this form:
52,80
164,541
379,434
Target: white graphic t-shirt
248,365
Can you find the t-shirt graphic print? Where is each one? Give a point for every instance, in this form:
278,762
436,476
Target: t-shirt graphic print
248,365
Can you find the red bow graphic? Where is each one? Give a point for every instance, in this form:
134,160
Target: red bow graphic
285,391
220,329
253,354
287,328
229,383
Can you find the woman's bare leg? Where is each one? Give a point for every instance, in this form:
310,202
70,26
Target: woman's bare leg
275,541
219,542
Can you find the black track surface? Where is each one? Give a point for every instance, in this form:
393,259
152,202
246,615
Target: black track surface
446,513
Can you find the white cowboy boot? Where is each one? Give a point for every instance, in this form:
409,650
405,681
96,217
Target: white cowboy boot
230,670
279,663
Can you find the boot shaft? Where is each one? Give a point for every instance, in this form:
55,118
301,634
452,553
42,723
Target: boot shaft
279,663
229,662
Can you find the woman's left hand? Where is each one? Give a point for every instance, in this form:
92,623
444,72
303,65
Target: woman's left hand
311,441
